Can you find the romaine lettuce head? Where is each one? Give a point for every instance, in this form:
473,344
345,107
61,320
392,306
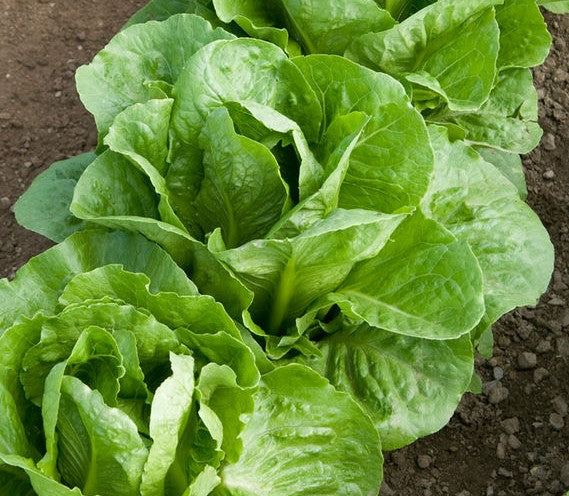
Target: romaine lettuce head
118,378
310,198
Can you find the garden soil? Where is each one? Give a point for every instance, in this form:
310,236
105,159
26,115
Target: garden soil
512,440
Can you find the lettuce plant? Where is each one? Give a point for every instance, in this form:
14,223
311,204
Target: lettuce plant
354,202
119,378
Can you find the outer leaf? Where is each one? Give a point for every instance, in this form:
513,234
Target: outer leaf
556,6
508,119
481,207
96,356
60,333
38,284
200,313
286,275
140,60
100,449
222,349
140,133
231,71
93,200
410,387
223,397
424,283
390,166
510,166
304,438
44,207
316,29
524,39
449,47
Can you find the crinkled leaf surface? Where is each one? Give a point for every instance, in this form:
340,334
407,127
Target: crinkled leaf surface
410,387
425,283
139,62
474,201
304,437
450,47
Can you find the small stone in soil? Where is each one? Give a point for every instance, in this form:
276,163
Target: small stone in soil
563,347
498,373
505,472
549,174
548,142
543,346
424,461
564,474
540,374
498,394
514,442
527,360
556,302
5,202
556,421
501,451
511,425
560,406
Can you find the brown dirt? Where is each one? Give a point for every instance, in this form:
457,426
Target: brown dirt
514,447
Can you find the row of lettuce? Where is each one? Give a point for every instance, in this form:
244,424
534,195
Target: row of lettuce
297,227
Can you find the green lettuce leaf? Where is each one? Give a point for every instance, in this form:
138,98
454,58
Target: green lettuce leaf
481,207
141,63
449,48
304,437
410,387
44,207
425,283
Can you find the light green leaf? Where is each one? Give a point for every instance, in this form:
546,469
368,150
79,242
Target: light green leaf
136,60
114,194
508,119
60,333
222,349
390,166
287,275
424,283
100,449
242,190
38,284
256,18
200,313
410,387
204,483
449,47
317,28
170,411
140,133
509,165
220,393
44,207
304,437
231,71
524,39
320,204
474,201
555,6
95,357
